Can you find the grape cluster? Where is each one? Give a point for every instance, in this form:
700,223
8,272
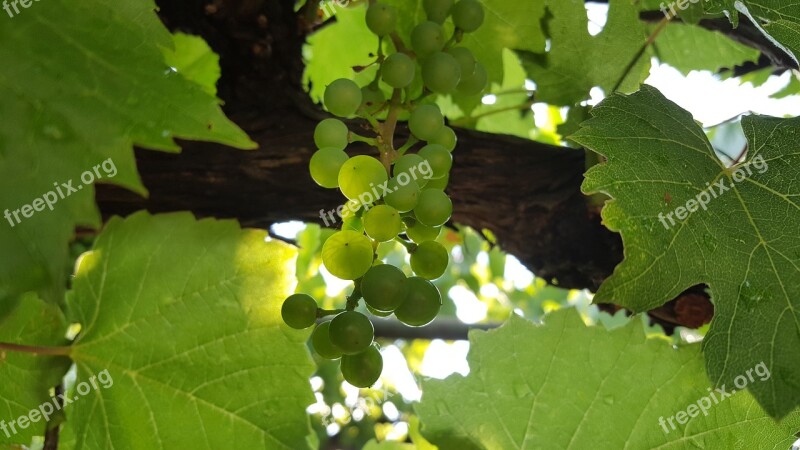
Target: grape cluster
396,196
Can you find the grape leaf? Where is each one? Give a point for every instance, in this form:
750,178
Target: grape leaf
570,69
194,59
185,316
689,47
27,378
565,385
778,20
82,83
742,242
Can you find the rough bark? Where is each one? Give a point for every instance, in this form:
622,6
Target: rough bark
527,193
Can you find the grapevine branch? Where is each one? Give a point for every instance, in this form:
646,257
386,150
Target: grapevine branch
35,349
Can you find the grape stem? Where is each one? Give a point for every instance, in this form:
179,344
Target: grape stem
355,296
355,137
328,312
35,349
466,120
409,143
410,246
386,132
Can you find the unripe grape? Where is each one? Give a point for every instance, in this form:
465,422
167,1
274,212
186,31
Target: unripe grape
377,313
381,18
331,133
360,175
475,84
403,197
437,10
434,207
353,223
441,73
439,158
351,332
466,60
426,121
426,38
419,232
347,254
421,305
325,165
299,311
383,287
364,369
446,138
372,98
429,260
398,70
410,165
383,223
468,15
439,183
321,341
342,97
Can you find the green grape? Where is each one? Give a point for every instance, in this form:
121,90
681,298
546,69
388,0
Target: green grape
422,303
439,183
439,158
441,73
347,254
429,260
321,341
350,210
466,60
351,332
299,311
331,133
342,97
475,84
446,137
419,232
383,223
434,207
426,121
359,176
468,15
410,165
383,287
377,313
381,19
398,70
403,197
426,38
372,98
353,223
364,369
325,165
438,10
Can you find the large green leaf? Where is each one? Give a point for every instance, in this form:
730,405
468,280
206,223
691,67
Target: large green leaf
744,242
27,378
689,47
81,84
185,316
576,61
564,385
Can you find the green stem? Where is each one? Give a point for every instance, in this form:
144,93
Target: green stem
35,349
328,312
355,137
465,120
409,143
355,296
410,246
642,49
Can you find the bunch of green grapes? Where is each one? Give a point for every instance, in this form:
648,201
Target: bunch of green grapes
397,195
